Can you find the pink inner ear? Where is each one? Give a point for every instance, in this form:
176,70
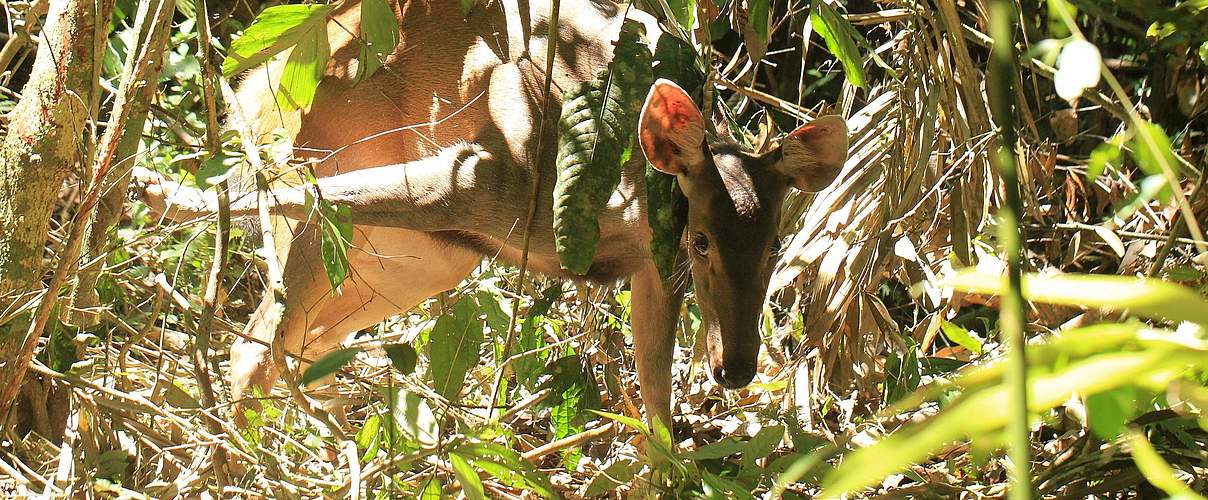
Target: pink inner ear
671,129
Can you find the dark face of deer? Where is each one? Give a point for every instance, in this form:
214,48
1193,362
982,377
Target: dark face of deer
734,202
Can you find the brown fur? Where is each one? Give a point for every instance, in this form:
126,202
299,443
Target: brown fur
434,156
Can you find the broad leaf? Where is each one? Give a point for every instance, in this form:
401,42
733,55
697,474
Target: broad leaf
304,69
328,364
962,337
379,36
840,41
335,224
453,346
595,137
274,30
412,415
403,357
471,485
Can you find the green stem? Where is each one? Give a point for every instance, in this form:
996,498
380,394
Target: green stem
1011,314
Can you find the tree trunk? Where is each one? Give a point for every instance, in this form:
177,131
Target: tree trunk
45,141
138,88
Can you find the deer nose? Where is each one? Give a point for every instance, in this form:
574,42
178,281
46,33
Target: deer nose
734,377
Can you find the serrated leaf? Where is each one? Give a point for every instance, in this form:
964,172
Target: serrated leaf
403,357
839,37
467,477
595,129
453,346
379,36
274,30
304,69
328,364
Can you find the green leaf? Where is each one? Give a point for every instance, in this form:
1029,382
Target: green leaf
328,364
1151,148
216,170
1143,297
721,449
617,474
379,36
467,477
715,486
1109,411
403,357
762,444
840,41
630,422
902,375
429,489
962,337
1104,154
368,437
684,12
453,346
757,17
594,131
304,69
466,6
413,417
274,30
1156,470
506,465
337,236
982,413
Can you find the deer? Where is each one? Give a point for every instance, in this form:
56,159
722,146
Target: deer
430,202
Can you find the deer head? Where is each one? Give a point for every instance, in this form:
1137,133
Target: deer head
734,204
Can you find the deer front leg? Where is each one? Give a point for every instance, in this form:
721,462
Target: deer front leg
446,191
655,309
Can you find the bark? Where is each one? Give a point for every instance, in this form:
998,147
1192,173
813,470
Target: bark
45,141
135,94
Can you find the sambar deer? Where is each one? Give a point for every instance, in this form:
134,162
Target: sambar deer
430,201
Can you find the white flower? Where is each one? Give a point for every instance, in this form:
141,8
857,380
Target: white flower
1077,69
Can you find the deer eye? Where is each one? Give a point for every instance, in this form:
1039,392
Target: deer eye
700,243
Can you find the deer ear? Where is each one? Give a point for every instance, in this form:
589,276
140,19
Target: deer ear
814,154
671,130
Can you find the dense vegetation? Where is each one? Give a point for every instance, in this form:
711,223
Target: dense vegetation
889,333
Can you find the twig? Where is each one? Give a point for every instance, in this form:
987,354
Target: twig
535,454
201,363
550,53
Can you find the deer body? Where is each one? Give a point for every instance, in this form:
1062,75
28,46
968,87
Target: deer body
434,156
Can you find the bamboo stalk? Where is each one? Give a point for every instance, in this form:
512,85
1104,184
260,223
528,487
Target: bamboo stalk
1011,315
